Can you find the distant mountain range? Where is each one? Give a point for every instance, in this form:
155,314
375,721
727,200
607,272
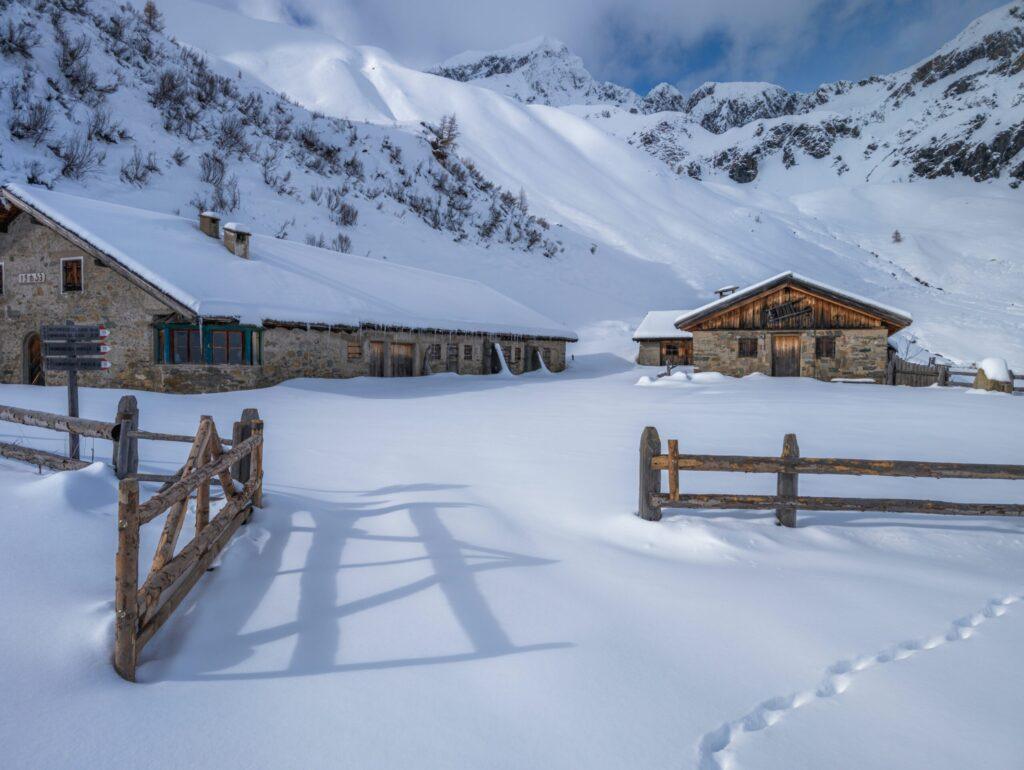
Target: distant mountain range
960,112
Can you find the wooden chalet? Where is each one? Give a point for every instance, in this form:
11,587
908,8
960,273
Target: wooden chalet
793,326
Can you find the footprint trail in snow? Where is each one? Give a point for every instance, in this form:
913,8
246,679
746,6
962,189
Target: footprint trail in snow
714,747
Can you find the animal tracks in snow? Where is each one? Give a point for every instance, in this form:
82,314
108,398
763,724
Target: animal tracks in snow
713,749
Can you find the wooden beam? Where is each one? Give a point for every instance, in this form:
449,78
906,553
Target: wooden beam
40,457
59,422
181,438
184,487
880,505
846,467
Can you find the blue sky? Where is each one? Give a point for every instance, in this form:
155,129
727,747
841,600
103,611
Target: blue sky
639,43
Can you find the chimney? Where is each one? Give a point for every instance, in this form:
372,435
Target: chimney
236,240
725,291
209,223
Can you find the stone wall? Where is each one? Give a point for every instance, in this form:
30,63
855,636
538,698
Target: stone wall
859,353
129,313
650,353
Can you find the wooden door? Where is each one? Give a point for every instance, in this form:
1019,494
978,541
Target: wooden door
33,367
785,355
376,359
402,359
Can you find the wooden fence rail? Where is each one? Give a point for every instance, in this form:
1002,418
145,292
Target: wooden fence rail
142,610
788,468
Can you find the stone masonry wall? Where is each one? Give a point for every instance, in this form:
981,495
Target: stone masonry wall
650,353
129,314
860,353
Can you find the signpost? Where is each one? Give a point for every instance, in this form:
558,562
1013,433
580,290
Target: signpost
74,349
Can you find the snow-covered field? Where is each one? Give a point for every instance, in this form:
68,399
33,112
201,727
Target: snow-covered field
448,573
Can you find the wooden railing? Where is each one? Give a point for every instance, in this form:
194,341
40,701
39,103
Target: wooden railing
788,468
142,610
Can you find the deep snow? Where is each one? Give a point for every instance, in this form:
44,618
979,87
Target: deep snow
448,573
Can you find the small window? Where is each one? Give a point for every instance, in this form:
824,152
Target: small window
546,355
825,347
71,274
434,352
514,354
672,350
747,347
453,352
467,352
355,351
186,347
227,347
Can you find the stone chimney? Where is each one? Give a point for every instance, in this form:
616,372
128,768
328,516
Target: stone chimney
209,223
236,240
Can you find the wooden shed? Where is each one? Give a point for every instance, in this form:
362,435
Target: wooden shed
793,326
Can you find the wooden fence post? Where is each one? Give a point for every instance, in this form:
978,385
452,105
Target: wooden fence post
787,486
126,589
126,448
257,464
650,479
240,431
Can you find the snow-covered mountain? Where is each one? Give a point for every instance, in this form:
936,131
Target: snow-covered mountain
960,112
540,71
548,205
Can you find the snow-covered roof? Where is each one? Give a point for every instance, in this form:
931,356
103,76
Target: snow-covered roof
282,280
660,325
898,318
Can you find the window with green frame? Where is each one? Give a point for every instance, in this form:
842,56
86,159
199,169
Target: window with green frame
214,344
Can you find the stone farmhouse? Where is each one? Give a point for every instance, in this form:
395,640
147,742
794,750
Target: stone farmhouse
192,306
792,326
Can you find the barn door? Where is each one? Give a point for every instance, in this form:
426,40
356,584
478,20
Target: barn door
33,361
402,359
376,359
785,355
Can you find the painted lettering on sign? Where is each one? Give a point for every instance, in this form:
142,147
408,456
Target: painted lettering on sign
31,277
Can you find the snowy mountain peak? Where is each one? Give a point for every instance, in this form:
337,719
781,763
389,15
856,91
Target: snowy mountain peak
541,71
721,106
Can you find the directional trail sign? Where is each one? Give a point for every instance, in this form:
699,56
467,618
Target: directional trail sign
73,349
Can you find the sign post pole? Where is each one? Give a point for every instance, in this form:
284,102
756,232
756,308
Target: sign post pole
73,438
72,349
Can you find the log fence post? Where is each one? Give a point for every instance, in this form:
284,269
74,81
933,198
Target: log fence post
673,470
126,604
257,463
787,485
126,445
650,479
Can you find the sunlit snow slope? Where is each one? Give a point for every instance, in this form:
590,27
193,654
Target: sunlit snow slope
594,183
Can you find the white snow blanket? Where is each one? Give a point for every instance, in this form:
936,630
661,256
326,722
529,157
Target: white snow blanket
283,280
486,597
996,369
660,325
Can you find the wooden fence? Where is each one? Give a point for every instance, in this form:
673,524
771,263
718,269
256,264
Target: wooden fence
142,610
900,372
788,468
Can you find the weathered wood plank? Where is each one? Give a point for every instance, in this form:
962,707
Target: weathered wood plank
880,505
841,466
161,501
181,438
40,457
673,469
78,425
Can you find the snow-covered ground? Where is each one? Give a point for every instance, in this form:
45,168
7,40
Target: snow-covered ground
448,573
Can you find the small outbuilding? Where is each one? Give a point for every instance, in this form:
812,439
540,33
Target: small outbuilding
793,326
661,343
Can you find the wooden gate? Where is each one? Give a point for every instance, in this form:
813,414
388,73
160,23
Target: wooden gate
376,359
402,359
785,355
